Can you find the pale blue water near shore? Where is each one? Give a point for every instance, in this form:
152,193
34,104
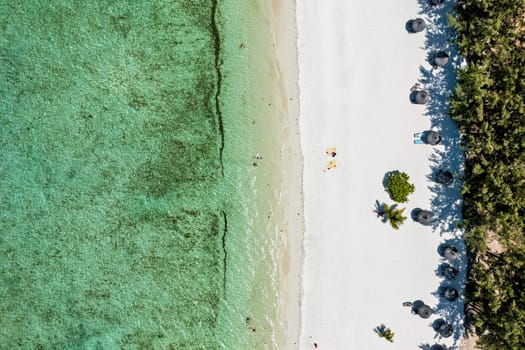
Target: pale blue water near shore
128,195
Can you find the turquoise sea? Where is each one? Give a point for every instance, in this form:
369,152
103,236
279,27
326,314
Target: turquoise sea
133,214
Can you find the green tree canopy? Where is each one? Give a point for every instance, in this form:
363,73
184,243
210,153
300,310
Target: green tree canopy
399,187
488,106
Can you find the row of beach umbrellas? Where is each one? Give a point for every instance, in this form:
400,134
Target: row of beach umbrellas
437,59
449,252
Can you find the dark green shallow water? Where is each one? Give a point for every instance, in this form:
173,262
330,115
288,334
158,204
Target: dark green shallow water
113,202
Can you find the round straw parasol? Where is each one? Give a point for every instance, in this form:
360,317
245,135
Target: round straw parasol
424,311
445,330
451,294
444,177
421,97
436,3
421,309
441,59
432,137
418,25
451,253
424,217
449,272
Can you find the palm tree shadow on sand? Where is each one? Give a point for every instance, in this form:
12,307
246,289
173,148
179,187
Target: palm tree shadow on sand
379,210
446,202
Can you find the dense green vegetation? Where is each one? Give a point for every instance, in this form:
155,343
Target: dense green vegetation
399,187
488,106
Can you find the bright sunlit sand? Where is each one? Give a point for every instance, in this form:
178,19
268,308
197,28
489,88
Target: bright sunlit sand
357,64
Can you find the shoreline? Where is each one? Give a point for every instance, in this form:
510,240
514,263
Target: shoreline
284,27
259,97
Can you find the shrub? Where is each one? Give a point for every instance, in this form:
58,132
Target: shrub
398,187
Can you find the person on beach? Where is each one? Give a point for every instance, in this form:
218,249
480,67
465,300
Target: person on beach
257,157
331,152
249,325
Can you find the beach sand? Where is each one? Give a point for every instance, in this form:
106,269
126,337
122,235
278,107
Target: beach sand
284,29
357,63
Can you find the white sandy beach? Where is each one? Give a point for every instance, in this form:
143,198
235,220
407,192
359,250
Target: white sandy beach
284,32
356,65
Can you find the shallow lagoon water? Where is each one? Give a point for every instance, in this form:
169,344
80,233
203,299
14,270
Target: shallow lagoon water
119,229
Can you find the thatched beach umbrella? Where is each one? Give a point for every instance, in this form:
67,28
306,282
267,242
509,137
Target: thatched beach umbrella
445,330
450,273
418,25
441,59
424,311
424,217
443,327
435,3
432,138
450,253
451,294
421,97
421,309
444,177
438,347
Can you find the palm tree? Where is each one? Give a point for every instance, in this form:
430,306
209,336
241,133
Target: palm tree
394,215
384,332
